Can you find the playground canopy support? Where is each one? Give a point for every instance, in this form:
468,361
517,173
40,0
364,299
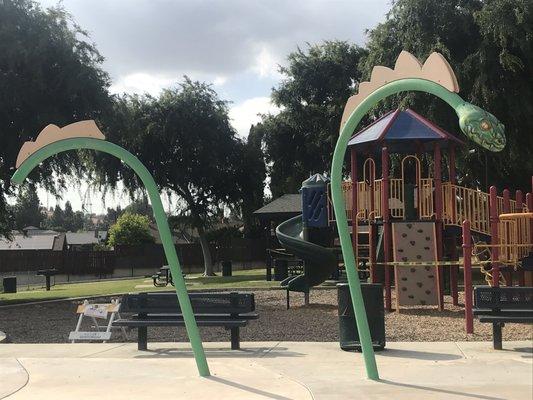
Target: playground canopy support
85,135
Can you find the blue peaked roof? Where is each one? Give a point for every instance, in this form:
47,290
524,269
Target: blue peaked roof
402,131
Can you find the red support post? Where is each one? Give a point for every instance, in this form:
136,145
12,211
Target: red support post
507,209
386,224
519,198
467,268
353,173
371,226
494,240
437,160
454,269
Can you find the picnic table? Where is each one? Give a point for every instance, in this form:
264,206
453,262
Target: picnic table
47,273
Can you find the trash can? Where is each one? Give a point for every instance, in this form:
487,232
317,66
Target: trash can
375,312
281,269
226,268
10,284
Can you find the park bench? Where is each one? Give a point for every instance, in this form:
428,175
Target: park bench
498,305
229,310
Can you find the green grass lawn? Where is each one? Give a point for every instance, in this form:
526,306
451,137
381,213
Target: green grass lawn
249,279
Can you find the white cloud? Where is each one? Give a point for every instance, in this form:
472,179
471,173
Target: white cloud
142,83
220,80
245,114
266,64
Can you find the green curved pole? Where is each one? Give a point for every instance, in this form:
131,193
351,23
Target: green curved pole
339,206
160,217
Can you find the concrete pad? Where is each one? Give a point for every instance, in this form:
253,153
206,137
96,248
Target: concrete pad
271,370
149,379
517,350
13,376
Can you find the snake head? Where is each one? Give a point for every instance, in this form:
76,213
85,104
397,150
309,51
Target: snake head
481,126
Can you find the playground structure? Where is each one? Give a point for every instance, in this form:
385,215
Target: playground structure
420,197
435,77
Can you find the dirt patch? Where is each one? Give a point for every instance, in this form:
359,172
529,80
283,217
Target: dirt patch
52,322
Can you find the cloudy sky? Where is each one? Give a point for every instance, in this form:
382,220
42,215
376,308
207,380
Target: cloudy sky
236,45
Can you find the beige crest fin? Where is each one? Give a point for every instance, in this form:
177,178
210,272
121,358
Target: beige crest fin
435,69
52,133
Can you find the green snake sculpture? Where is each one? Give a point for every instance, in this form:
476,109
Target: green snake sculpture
436,77
481,127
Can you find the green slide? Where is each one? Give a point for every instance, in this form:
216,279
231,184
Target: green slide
320,262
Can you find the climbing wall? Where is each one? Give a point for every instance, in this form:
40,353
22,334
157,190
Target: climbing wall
415,242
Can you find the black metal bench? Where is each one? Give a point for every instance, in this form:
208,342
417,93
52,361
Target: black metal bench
498,305
229,310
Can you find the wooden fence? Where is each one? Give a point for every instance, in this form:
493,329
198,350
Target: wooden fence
128,257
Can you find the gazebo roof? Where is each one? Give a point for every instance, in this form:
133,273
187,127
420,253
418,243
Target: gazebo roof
286,206
402,131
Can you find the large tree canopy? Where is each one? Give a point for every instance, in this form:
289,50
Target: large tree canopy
490,46
184,137
27,209
49,73
300,139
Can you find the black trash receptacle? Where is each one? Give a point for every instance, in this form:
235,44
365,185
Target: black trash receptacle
226,268
10,284
375,312
281,269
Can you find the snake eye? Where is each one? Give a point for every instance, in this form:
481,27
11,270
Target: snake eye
485,125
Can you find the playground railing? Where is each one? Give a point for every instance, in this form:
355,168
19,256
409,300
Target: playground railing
461,203
426,198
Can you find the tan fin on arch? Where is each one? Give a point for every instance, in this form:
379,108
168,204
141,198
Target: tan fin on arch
435,69
52,133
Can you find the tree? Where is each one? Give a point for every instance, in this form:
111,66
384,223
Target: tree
300,139
140,206
185,139
49,73
56,221
130,229
27,209
251,175
72,221
490,47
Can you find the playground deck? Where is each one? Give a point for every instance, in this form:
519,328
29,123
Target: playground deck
266,370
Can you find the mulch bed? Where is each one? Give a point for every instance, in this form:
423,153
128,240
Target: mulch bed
52,322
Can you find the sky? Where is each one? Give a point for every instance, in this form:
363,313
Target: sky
236,45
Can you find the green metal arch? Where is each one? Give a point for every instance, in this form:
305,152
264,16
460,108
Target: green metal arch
159,213
401,85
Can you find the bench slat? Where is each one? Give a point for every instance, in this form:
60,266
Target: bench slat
202,303
170,322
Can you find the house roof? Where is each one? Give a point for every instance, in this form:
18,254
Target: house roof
81,238
403,131
285,206
33,242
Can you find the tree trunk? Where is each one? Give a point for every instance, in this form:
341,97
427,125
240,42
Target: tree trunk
206,252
